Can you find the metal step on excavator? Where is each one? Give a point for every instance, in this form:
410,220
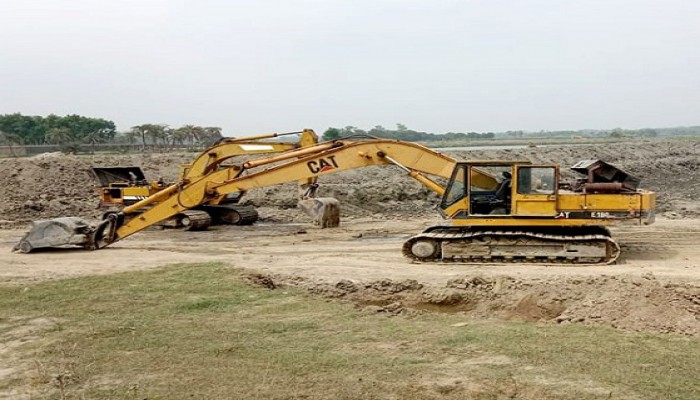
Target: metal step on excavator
498,211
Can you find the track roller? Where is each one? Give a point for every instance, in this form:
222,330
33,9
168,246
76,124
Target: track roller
231,214
425,248
194,220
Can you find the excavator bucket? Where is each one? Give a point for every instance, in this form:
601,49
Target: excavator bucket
325,211
55,233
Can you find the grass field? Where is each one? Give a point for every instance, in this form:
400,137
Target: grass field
199,331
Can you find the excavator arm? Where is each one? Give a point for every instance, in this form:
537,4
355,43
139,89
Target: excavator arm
303,164
213,157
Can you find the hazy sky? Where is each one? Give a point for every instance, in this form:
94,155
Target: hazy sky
259,66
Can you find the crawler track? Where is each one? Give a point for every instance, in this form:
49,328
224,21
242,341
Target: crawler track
575,245
232,214
194,220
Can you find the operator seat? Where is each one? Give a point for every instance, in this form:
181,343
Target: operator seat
503,193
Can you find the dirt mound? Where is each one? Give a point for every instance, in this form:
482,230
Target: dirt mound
52,185
628,303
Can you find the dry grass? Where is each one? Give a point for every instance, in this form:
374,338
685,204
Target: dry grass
197,331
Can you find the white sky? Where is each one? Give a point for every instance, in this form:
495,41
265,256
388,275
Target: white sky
448,65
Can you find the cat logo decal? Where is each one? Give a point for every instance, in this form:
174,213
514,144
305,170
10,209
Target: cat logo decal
322,165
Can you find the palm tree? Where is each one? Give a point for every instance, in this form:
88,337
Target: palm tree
139,131
193,134
158,133
179,135
197,134
152,131
212,134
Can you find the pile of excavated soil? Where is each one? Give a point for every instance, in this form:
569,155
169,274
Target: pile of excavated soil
53,185
628,303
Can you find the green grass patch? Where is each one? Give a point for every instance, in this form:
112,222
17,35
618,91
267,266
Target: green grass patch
198,331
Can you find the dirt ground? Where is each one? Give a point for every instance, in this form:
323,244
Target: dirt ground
654,287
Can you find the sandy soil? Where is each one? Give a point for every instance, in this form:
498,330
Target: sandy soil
361,249
655,286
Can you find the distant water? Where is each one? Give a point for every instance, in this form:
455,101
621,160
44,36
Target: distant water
500,147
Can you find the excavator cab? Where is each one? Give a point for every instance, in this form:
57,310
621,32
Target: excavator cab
515,211
498,189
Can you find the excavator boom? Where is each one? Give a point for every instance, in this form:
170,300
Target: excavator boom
307,163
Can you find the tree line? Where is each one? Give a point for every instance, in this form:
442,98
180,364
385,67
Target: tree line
403,133
52,129
72,131
612,133
163,135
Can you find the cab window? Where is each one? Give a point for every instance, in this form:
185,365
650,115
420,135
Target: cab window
536,180
457,189
490,190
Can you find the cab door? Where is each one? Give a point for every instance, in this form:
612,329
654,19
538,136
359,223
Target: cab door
535,190
455,201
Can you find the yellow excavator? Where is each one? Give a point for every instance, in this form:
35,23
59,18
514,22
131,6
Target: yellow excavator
125,186
498,211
